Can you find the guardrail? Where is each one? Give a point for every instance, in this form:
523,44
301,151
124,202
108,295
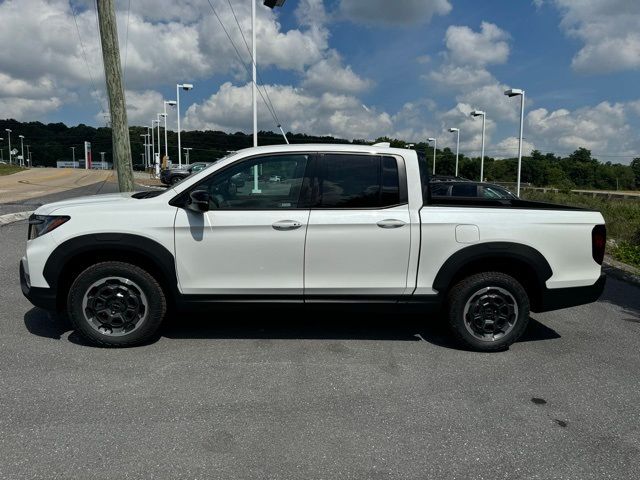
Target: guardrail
591,193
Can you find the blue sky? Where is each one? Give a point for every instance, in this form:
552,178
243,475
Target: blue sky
354,69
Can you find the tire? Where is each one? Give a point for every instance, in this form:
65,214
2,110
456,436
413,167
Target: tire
116,304
175,180
502,311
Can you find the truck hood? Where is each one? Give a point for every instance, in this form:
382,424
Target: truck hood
92,200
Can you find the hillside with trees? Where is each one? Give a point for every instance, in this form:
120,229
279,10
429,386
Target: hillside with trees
52,142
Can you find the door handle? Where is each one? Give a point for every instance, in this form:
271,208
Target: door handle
286,225
391,223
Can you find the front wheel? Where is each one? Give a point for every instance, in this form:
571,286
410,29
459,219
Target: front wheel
488,311
116,304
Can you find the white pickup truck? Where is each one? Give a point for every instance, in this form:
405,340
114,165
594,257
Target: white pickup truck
344,224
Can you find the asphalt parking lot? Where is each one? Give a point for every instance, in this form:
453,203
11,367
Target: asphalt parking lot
318,395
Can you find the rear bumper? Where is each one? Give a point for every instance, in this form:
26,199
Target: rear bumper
557,298
40,297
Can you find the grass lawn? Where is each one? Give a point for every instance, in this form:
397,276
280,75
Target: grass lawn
9,169
622,217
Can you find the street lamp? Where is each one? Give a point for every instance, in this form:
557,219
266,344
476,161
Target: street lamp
159,142
171,103
514,92
480,113
456,130
21,137
73,151
145,145
153,147
254,88
185,87
435,145
8,130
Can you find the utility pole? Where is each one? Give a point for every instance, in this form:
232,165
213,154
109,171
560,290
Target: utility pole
115,90
73,150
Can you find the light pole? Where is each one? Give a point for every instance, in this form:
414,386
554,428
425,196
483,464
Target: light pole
254,88
480,113
1,152
435,145
159,142
29,156
171,103
186,153
8,130
153,145
144,145
102,159
21,137
73,151
456,130
185,87
514,92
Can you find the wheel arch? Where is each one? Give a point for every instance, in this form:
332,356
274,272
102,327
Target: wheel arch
524,263
73,256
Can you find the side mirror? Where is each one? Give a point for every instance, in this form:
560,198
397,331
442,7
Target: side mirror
199,201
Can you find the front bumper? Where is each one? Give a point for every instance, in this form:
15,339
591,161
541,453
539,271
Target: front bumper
40,297
557,298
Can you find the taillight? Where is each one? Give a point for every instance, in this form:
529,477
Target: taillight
598,242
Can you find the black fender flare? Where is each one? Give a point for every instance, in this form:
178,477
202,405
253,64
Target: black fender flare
129,244
492,250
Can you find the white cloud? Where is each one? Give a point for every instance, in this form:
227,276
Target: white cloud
25,109
398,12
602,128
486,47
340,115
608,30
329,75
464,69
508,148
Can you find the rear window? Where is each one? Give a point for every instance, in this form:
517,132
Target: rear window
356,181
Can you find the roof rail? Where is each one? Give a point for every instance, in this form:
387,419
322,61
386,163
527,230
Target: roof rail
382,144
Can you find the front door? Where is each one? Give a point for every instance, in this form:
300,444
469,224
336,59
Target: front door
358,239
251,241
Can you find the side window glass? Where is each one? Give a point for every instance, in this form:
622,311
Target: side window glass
265,183
356,181
462,190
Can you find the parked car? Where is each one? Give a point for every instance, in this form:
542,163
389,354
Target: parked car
468,189
171,176
357,224
275,178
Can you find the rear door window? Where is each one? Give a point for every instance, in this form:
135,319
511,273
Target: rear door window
356,181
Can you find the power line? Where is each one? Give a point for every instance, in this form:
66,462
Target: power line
84,55
240,57
253,61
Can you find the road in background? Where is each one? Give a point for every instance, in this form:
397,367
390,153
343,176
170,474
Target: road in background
305,394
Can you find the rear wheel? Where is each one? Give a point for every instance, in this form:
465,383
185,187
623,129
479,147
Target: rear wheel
488,311
175,180
116,304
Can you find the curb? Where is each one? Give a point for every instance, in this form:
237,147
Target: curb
621,271
14,217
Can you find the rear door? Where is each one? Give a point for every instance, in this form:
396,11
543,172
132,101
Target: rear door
358,238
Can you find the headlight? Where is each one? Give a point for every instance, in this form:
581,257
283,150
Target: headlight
41,224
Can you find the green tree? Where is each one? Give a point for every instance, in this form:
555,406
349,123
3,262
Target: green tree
635,168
